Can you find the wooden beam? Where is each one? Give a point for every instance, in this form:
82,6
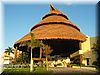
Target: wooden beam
38,58
80,46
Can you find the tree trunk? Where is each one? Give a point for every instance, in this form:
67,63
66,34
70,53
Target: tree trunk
9,58
15,55
46,60
31,64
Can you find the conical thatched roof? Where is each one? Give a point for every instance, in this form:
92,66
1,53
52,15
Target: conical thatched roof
55,25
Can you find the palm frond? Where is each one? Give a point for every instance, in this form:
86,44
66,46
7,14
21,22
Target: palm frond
9,50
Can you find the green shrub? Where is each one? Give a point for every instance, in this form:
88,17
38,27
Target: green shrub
83,65
75,64
94,63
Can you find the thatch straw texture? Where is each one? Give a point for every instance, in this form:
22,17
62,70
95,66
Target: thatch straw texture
55,19
55,31
58,31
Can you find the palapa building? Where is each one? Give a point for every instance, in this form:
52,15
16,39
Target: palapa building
65,38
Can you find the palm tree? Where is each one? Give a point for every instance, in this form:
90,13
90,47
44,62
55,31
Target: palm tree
9,50
32,43
36,43
47,51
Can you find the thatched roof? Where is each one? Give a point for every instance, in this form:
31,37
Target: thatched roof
24,38
55,25
55,16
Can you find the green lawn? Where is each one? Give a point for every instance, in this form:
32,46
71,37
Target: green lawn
26,71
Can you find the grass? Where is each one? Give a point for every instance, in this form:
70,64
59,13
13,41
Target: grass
26,71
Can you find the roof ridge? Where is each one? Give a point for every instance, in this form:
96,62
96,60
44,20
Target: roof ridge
52,8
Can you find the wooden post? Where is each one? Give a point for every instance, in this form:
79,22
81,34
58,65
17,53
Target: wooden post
40,56
22,57
40,53
80,54
80,46
47,60
80,60
15,55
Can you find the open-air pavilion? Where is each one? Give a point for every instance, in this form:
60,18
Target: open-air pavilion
56,30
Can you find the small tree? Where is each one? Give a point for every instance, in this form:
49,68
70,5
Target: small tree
19,59
36,43
23,59
9,50
32,43
96,48
46,51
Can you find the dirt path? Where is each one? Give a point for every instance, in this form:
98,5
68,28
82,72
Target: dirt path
73,71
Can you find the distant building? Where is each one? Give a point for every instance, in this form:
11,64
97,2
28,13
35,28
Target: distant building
89,55
7,59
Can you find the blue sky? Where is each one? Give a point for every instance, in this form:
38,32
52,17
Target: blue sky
19,18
